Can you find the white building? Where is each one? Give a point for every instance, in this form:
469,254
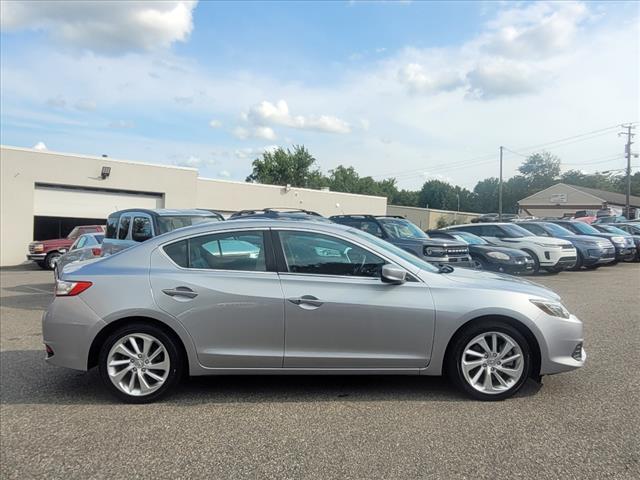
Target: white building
45,194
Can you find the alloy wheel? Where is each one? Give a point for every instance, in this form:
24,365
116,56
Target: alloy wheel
138,364
492,362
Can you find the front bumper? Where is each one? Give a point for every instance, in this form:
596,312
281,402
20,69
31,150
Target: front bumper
625,253
563,342
36,257
523,265
464,262
558,257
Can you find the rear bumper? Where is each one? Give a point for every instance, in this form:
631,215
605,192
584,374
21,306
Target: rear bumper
68,329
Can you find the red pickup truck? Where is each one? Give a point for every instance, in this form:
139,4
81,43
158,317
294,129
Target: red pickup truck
47,252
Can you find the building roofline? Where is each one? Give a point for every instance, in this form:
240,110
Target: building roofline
94,157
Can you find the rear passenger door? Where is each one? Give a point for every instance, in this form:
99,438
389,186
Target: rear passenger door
224,289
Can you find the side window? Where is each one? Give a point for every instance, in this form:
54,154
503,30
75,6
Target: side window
123,229
492,231
80,243
242,251
112,226
371,227
141,229
536,230
314,253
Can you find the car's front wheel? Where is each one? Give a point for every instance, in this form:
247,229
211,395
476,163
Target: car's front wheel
139,363
489,361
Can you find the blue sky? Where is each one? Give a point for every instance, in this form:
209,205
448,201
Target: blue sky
419,90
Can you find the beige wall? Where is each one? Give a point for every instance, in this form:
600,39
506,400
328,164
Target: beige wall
427,218
21,169
232,196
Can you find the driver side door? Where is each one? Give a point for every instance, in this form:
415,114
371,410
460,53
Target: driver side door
338,312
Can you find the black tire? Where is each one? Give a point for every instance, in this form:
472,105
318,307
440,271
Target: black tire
536,261
592,267
453,367
42,265
479,264
51,259
554,270
579,263
173,350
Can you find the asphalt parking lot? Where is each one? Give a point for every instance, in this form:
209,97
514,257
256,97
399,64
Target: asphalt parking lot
582,424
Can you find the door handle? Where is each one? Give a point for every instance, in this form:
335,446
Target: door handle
180,292
306,300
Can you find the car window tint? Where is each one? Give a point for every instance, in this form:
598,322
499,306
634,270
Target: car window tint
314,253
98,238
112,226
178,252
535,229
141,229
123,229
228,251
492,231
81,242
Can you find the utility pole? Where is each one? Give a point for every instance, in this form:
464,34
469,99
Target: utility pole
627,148
500,190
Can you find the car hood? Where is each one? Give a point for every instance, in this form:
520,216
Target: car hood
512,252
57,242
580,238
532,238
438,242
499,281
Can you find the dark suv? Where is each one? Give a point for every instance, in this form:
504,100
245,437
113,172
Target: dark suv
279,213
404,234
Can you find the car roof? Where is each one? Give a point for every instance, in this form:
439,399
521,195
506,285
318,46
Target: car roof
173,212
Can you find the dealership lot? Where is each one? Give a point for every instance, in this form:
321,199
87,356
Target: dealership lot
583,424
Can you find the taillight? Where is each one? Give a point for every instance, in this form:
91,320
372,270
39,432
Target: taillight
70,289
96,251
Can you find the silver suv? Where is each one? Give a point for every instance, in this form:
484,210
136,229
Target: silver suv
303,297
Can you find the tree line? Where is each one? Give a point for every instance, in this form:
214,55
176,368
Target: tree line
298,168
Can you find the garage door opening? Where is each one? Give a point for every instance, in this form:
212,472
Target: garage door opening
46,228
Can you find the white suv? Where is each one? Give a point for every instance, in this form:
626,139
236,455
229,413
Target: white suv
551,254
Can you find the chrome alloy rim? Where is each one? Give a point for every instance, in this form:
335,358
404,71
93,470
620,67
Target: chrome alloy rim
138,364
492,362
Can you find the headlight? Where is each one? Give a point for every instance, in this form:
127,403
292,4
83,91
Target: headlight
38,247
617,240
498,255
434,251
555,309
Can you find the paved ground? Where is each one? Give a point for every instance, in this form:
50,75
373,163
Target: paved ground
583,424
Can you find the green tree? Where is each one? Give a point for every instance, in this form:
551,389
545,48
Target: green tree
540,170
295,167
486,195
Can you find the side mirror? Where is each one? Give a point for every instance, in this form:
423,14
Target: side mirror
393,275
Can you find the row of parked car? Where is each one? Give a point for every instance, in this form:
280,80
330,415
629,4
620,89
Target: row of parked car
525,247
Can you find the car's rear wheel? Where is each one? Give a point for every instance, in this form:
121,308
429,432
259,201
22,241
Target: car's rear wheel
139,363
489,361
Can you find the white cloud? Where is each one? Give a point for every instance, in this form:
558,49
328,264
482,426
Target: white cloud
241,133
110,27
40,146
502,78
266,113
418,80
85,105
224,173
123,124
215,124
57,102
265,133
194,161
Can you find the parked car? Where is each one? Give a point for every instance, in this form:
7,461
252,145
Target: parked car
406,235
591,251
279,214
486,256
85,247
625,248
46,253
610,219
350,303
631,227
486,217
126,228
614,229
551,254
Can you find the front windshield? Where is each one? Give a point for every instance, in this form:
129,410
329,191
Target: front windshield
516,231
469,238
384,245
557,230
584,228
401,229
170,223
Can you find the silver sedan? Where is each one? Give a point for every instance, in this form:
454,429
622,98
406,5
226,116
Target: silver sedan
297,297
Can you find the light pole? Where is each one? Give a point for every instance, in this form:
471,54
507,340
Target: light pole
458,210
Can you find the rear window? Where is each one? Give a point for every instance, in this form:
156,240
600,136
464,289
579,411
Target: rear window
123,230
99,238
170,223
